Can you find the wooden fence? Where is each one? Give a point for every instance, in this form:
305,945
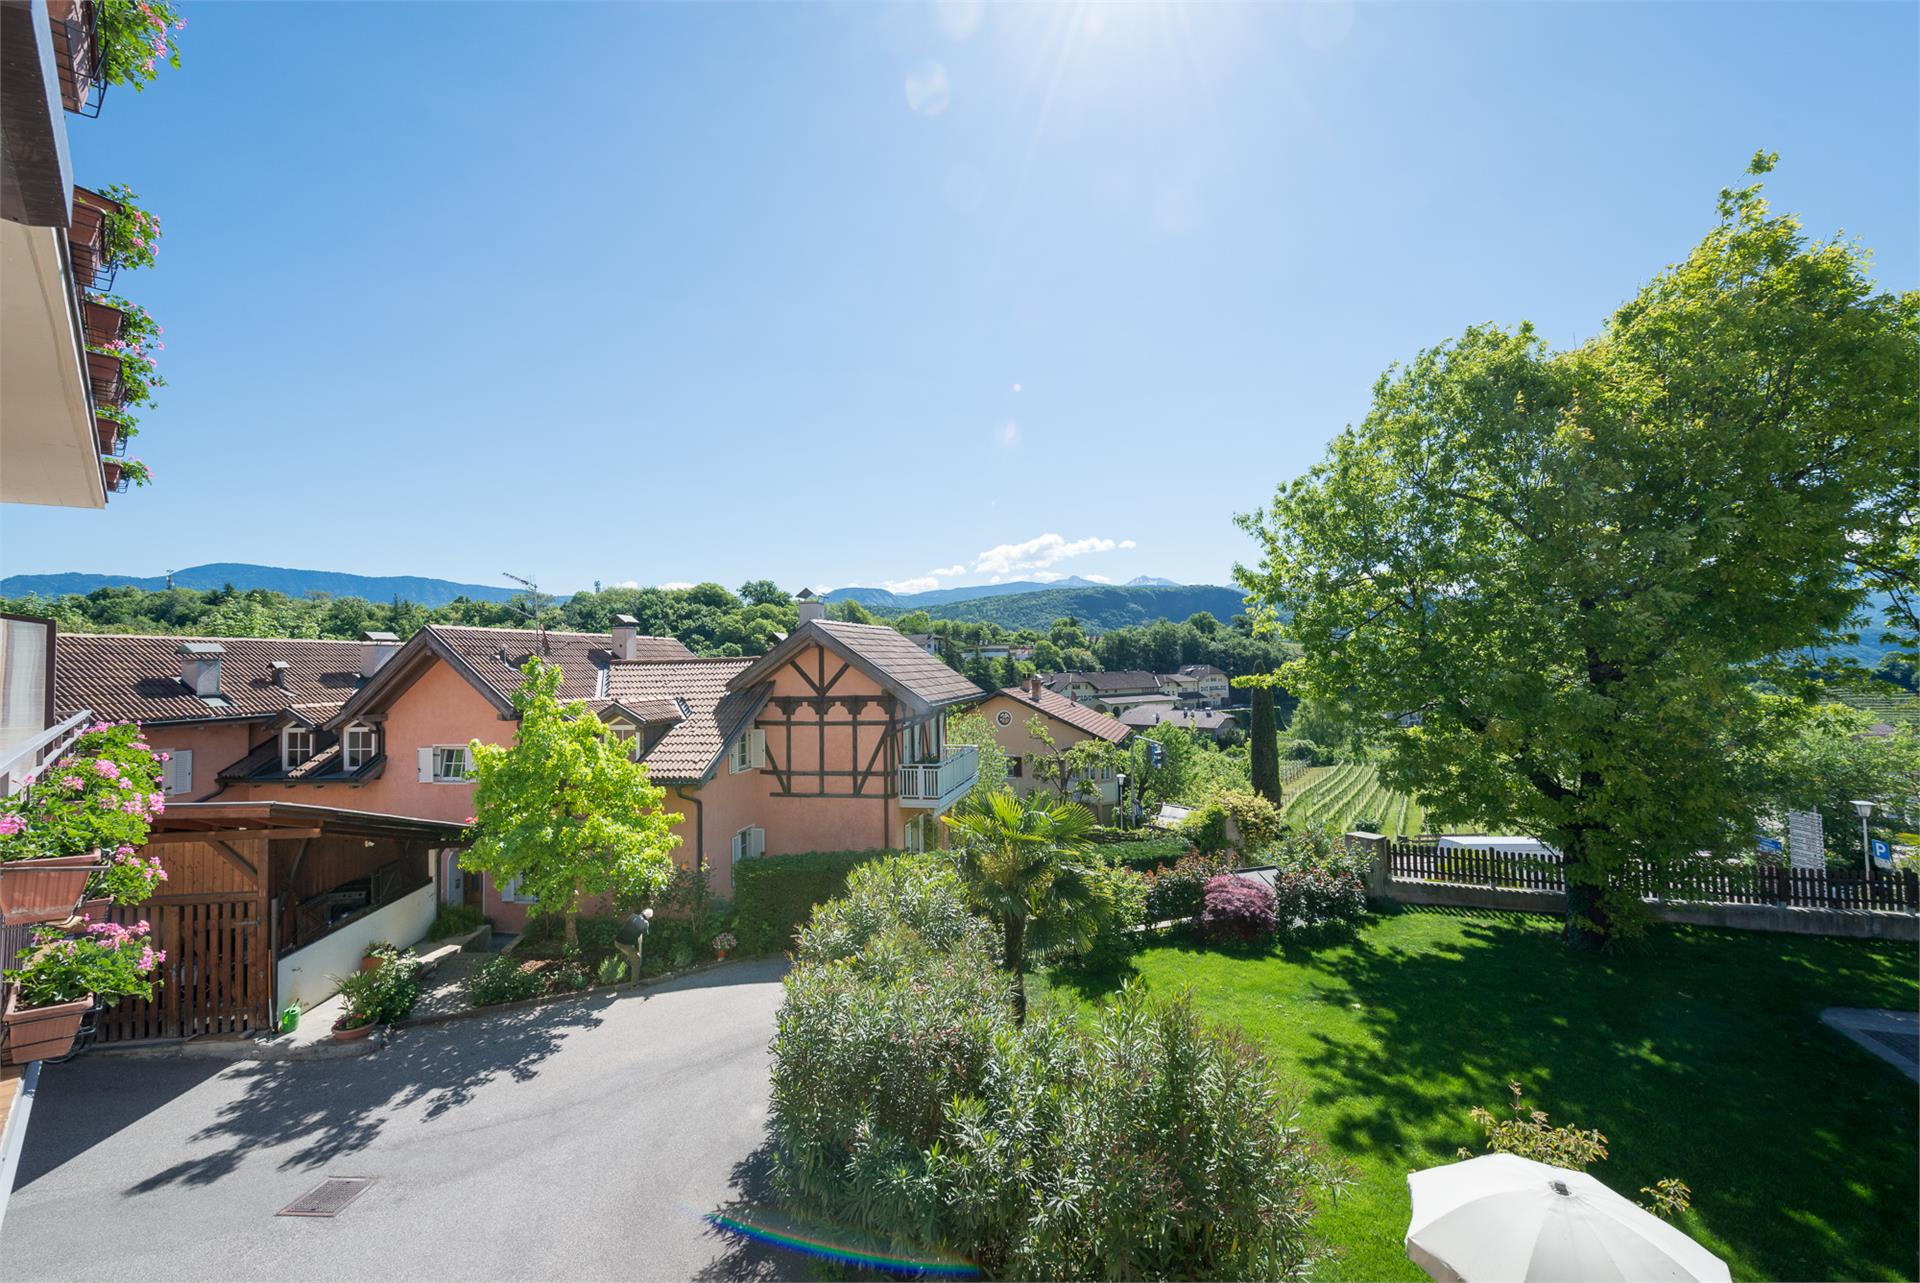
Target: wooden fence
1730,883
217,978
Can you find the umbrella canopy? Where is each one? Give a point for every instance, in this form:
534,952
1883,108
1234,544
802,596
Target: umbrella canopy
1506,1219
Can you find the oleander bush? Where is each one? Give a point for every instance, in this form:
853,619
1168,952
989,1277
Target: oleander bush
1151,1145
1235,910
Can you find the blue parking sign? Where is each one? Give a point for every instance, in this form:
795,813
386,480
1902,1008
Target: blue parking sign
1882,853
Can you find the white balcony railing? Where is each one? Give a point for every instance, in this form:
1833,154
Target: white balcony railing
938,785
28,755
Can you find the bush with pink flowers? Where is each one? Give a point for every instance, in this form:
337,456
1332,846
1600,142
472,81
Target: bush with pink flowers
106,960
136,36
128,877
102,795
1235,910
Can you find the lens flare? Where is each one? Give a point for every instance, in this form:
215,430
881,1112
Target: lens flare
826,1249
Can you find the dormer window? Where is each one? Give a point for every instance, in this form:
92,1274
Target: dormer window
296,746
358,744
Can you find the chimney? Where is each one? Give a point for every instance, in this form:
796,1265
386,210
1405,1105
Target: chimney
1033,688
626,637
375,650
200,667
810,606
279,667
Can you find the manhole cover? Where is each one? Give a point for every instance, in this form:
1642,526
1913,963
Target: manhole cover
329,1198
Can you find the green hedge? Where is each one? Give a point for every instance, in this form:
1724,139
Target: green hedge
774,895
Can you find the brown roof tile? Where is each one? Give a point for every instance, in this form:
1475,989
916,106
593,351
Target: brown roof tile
1071,712
715,713
130,677
496,654
886,654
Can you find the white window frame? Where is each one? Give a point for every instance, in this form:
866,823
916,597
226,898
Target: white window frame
510,893
749,752
435,757
303,734
749,843
348,761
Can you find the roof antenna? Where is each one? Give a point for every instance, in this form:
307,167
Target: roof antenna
532,606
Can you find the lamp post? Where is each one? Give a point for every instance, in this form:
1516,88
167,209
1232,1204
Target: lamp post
1865,809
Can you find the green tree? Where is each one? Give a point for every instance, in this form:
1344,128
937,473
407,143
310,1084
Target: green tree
764,592
1830,759
1263,740
972,727
1020,860
1546,580
566,810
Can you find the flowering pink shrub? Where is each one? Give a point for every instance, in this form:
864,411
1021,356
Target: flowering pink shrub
107,960
129,878
136,36
1174,892
1234,908
103,795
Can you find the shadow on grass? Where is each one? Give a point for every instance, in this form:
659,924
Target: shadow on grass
1698,1053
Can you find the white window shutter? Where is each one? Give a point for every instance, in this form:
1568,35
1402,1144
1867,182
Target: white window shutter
757,752
737,845
426,765
759,842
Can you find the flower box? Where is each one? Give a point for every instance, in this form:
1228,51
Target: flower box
104,373
44,890
41,1033
109,433
102,322
112,469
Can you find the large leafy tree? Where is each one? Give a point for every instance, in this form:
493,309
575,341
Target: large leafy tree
1545,581
566,809
1021,861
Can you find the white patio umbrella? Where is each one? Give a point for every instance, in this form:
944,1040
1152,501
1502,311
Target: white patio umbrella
1505,1219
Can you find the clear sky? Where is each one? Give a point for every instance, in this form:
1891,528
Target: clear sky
863,294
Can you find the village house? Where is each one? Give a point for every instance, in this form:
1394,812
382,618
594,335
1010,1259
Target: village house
833,740
1105,691
1203,721
1009,711
1201,684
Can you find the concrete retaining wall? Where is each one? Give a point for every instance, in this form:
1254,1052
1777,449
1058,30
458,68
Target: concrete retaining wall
307,975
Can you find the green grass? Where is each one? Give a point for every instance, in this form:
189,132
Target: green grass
1698,1053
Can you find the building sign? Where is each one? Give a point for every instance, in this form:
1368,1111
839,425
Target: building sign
1806,840
1882,854
1772,846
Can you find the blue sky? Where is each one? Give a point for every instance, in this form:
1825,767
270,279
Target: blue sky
863,294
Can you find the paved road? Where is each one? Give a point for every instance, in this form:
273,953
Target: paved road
582,1140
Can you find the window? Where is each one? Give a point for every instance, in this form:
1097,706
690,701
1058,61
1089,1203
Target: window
445,764
1004,717
178,776
511,893
749,752
357,745
749,843
296,746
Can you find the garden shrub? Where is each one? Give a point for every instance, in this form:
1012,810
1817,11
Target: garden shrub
1256,818
1206,828
455,920
1175,891
387,992
611,971
1150,1146
1147,852
503,978
1235,910
774,894
1307,899
1530,1135
1105,932
1318,847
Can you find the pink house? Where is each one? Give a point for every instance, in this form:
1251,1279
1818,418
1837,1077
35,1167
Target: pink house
1010,710
833,740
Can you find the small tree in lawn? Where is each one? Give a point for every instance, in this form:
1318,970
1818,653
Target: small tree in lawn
566,810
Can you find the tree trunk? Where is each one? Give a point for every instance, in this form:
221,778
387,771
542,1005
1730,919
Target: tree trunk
1016,962
573,928
1264,746
1589,926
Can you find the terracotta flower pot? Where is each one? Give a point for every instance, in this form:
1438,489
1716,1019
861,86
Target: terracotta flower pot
112,468
108,430
44,890
372,962
94,910
354,1034
41,1033
102,322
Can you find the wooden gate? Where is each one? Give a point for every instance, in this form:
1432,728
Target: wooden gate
217,978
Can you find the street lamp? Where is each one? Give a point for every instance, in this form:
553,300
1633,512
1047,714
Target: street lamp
1865,809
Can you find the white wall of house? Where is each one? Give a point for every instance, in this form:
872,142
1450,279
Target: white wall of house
310,975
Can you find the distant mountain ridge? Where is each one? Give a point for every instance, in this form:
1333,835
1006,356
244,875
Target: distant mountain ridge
899,603
1100,607
244,576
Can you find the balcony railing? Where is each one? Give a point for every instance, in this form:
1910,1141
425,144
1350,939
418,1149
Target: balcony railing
938,785
76,55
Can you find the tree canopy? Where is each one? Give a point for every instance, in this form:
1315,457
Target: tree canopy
1545,581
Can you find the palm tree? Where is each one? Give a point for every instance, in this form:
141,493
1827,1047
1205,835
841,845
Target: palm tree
1018,858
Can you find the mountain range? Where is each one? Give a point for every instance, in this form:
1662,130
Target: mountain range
890,602
294,583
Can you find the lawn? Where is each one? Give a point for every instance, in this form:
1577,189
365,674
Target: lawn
1698,1053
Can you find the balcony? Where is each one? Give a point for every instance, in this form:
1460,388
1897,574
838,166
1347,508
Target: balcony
75,28
935,786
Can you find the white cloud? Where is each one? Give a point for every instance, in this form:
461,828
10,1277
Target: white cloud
676,585
1040,552
628,583
1097,579
1046,576
1009,433
924,583
1128,543
947,572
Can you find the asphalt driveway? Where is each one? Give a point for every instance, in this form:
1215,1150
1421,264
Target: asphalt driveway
582,1140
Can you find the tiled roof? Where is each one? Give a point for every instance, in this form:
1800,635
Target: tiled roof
127,677
714,713
1200,670
496,654
1124,680
1199,719
890,652
324,767
1071,712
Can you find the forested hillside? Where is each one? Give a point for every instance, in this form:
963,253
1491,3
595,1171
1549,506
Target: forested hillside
1098,608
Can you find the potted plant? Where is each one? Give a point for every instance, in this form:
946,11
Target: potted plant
102,795
61,979
722,943
125,877
378,996
378,954
102,321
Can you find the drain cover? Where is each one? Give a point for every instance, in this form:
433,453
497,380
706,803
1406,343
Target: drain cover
329,1198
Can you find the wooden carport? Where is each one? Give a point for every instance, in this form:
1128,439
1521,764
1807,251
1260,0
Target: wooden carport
248,882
